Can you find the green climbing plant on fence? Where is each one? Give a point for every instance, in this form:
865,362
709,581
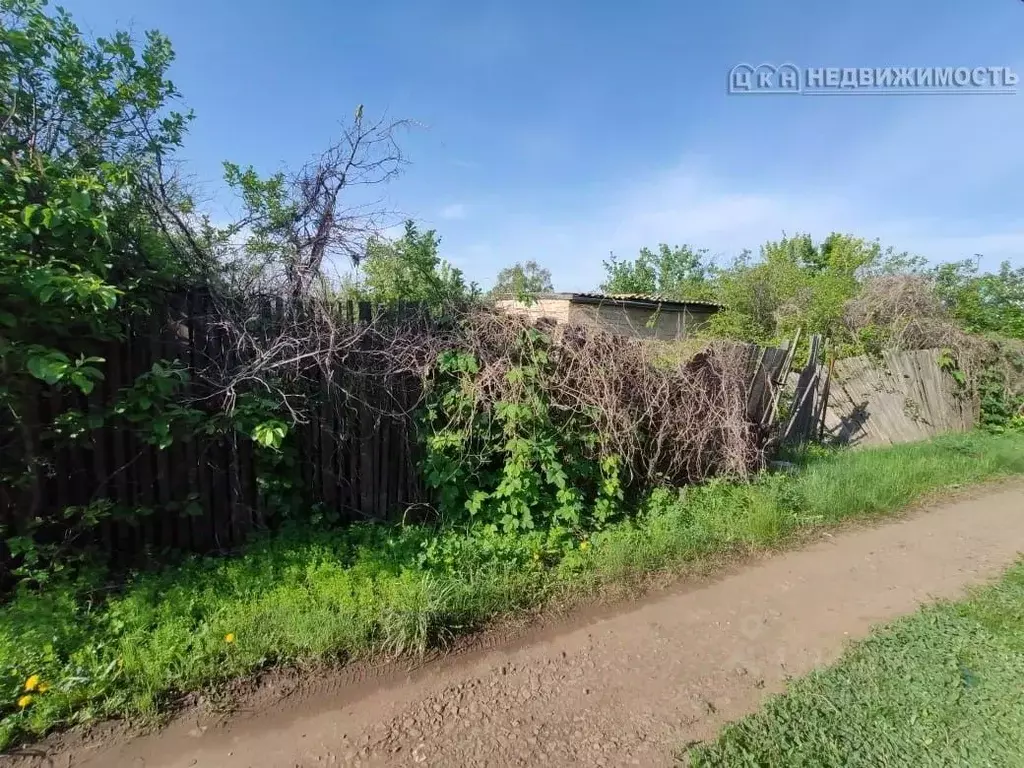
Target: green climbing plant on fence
518,463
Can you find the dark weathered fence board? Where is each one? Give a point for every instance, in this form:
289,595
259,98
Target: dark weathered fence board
204,494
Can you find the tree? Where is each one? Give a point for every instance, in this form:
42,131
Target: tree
97,227
87,127
299,223
410,269
798,283
983,302
84,126
674,273
522,279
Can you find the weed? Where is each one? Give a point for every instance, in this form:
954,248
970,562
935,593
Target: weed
320,595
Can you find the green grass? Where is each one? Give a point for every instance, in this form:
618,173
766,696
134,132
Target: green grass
942,687
309,596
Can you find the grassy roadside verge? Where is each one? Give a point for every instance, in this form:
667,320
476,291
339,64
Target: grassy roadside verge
309,596
940,687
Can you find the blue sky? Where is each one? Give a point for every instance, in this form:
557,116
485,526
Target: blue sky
562,131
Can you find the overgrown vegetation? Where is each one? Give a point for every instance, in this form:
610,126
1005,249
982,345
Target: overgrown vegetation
96,225
939,688
555,456
678,272
860,296
96,228
85,651
549,428
409,269
85,128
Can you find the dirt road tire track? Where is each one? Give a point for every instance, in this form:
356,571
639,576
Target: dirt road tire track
629,689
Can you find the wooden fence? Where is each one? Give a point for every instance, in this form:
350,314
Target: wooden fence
903,397
862,401
356,457
766,370
356,452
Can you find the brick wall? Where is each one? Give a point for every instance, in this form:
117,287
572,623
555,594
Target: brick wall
556,309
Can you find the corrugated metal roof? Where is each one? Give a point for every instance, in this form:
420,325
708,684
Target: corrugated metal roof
651,297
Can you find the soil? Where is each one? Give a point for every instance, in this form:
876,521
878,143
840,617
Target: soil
633,686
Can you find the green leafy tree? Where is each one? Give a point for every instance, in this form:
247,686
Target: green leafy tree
95,230
983,302
87,130
799,284
522,279
675,273
411,269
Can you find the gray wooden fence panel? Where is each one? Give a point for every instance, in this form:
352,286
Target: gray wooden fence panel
904,397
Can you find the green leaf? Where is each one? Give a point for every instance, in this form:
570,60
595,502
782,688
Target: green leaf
49,367
270,434
83,382
79,200
93,373
29,212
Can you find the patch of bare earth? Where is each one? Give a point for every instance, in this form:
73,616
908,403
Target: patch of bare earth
625,688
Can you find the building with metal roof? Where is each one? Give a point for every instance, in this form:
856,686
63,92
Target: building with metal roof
637,315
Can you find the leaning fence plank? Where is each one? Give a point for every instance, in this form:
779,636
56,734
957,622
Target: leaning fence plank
798,429
826,392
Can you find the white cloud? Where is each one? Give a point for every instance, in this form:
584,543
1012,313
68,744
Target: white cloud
685,208
937,178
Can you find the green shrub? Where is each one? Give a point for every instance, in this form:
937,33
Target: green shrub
517,463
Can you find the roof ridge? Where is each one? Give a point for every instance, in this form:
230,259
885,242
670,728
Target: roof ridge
644,297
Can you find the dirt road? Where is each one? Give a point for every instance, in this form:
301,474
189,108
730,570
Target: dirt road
629,689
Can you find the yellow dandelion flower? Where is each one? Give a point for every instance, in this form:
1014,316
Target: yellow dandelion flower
43,687
584,545
229,637
32,683
24,701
